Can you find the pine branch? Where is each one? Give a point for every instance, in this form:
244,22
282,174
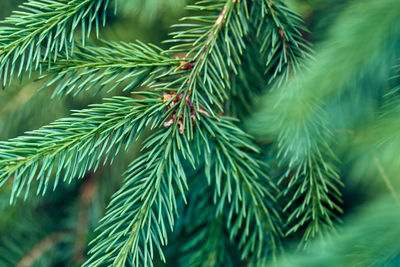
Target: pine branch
375,145
92,67
108,67
297,117
211,44
368,239
185,100
311,180
242,185
139,214
205,237
135,225
195,87
208,245
42,29
74,145
281,33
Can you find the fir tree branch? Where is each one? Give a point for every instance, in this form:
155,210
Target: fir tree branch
206,239
42,29
74,145
135,226
246,86
195,87
209,42
242,185
296,115
376,146
311,180
208,245
281,33
109,67
368,239
96,67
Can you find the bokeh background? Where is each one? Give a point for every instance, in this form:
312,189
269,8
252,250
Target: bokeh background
54,230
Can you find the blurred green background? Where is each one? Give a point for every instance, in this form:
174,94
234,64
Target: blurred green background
54,230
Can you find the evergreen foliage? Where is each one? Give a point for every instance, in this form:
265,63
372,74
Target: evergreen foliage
48,24
230,129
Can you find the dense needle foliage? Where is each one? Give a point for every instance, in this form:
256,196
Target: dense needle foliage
229,142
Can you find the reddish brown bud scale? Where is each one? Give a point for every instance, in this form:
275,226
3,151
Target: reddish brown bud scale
187,66
176,99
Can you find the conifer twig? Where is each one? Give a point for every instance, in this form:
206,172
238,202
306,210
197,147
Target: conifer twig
42,247
386,179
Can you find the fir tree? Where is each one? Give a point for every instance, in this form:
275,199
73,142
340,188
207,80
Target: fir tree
239,140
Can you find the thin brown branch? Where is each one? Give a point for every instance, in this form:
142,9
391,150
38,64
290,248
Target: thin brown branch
386,179
88,192
41,248
281,33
